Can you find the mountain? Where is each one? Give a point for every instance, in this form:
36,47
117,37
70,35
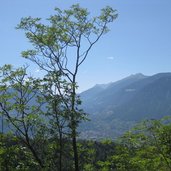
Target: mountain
115,107
109,95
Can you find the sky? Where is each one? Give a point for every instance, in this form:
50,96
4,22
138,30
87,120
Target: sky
139,40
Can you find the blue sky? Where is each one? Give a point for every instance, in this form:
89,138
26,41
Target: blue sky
139,40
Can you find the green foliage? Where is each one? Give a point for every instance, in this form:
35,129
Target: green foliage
14,156
146,147
59,47
18,108
64,32
17,99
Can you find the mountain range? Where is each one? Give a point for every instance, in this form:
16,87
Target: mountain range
115,107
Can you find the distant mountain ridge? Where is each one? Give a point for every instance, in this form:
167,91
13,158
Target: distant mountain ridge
127,101
115,107
98,95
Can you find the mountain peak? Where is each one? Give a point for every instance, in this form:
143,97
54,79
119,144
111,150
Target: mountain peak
137,75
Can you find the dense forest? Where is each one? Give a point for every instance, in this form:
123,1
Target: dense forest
146,147
40,117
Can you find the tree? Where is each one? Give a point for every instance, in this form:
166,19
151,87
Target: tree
21,108
35,116
61,46
146,147
14,156
55,113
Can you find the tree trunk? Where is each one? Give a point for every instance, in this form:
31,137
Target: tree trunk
74,144
73,123
60,152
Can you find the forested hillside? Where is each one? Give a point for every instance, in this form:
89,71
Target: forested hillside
146,147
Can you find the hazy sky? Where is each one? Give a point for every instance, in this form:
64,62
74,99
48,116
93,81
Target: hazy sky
139,40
